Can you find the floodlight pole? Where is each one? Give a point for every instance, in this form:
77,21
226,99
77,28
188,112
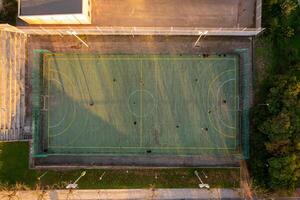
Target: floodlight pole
81,175
204,174
39,178
75,35
74,185
196,173
100,178
201,185
200,35
133,31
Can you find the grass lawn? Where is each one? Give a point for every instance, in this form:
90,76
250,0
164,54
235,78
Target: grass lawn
263,58
14,169
264,62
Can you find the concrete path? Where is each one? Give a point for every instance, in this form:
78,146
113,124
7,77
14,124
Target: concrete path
122,194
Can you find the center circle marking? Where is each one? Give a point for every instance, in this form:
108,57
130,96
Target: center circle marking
141,103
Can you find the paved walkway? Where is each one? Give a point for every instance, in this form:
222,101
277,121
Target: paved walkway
132,194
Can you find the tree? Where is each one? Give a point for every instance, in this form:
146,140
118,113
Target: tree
275,143
277,127
288,6
279,147
9,12
284,171
280,122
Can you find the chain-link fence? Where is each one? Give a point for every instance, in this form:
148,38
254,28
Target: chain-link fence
245,96
38,86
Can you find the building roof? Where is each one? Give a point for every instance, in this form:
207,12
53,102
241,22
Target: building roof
50,7
175,13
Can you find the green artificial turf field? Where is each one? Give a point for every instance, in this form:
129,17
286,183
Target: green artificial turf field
134,104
